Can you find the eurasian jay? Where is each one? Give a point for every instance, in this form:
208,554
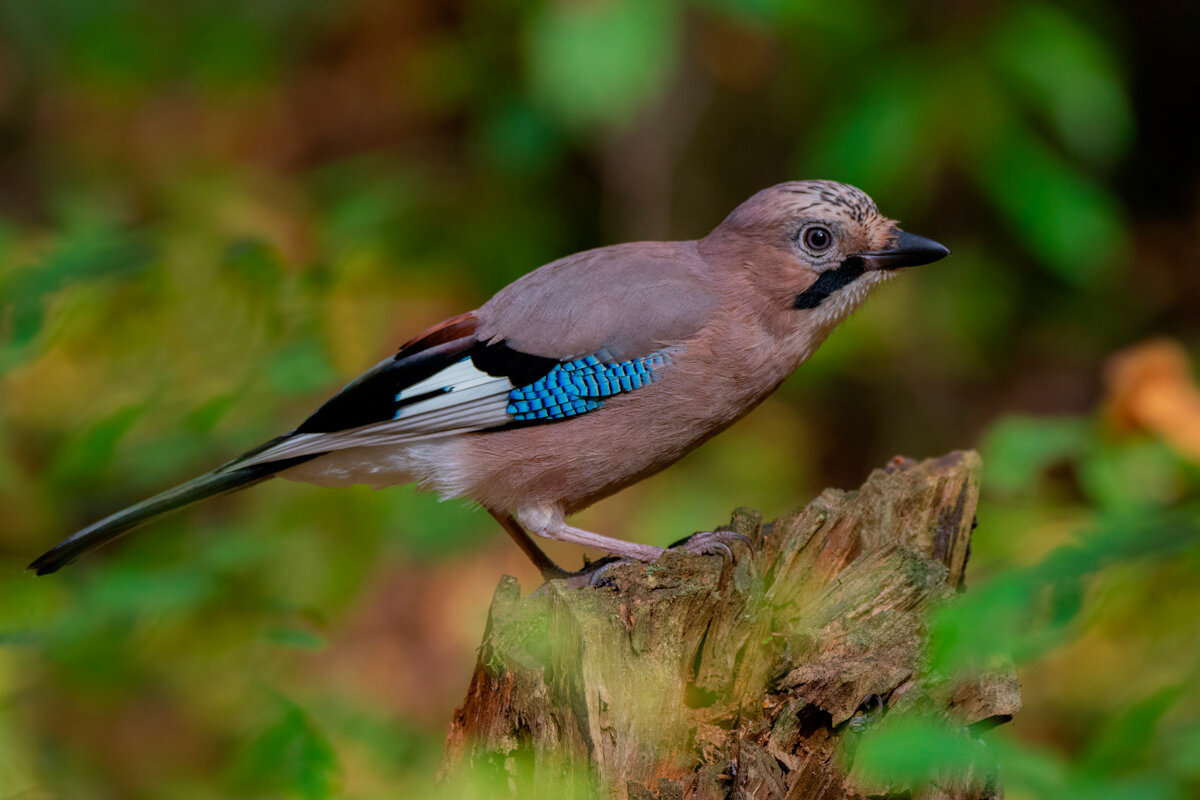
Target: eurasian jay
585,375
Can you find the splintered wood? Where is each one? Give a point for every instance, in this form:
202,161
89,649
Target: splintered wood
693,677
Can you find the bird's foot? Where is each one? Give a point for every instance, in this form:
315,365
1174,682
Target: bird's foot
713,543
593,572
589,575
701,543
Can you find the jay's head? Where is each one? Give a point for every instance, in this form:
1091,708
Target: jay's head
817,248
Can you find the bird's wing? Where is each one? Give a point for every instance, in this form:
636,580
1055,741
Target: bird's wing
553,345
557,343
623,301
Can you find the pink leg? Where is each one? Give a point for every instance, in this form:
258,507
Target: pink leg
548,522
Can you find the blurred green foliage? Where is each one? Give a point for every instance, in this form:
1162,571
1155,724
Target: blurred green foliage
212,213
1141,538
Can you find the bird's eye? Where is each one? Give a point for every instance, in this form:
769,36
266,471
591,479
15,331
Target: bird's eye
817,239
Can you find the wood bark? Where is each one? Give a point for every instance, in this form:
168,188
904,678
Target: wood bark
700,677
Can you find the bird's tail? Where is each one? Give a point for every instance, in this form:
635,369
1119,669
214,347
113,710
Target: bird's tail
225,479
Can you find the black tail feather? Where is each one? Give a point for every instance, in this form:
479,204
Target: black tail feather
220,481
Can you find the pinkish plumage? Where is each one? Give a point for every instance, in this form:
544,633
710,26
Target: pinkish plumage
587,374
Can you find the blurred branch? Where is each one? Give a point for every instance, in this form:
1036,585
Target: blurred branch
692,677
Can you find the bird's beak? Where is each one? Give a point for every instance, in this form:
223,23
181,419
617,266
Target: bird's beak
906,250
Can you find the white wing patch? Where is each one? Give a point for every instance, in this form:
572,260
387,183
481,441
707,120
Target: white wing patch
458,376
457,399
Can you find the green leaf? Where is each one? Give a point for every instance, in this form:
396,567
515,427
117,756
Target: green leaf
131,590
1020,614
299,368
908,750
254,263
1183,750
994,624
1038,772
1128,740
597,62
518,139
82,255
1062,217
757,10
91,450
1017,449
879,137
295,637
290,756
1138,475
1069,75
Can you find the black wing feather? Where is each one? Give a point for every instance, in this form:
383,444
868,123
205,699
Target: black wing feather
371,397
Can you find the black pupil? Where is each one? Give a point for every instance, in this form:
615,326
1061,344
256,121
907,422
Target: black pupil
816,238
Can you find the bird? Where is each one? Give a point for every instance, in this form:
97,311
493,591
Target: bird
584,375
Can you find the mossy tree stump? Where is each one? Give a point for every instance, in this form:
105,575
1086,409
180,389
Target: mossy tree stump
697,677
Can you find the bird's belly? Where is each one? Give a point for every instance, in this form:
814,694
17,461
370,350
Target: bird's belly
573,463
431,464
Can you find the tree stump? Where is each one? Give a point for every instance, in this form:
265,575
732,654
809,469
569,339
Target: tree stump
697,677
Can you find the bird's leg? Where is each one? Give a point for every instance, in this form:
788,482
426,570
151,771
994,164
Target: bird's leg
545,565
548,522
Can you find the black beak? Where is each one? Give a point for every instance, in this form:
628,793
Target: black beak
907,250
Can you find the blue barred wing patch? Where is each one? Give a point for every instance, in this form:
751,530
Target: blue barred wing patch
579,386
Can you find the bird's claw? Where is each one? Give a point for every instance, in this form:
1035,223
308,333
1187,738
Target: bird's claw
591,573
714,543
701,543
